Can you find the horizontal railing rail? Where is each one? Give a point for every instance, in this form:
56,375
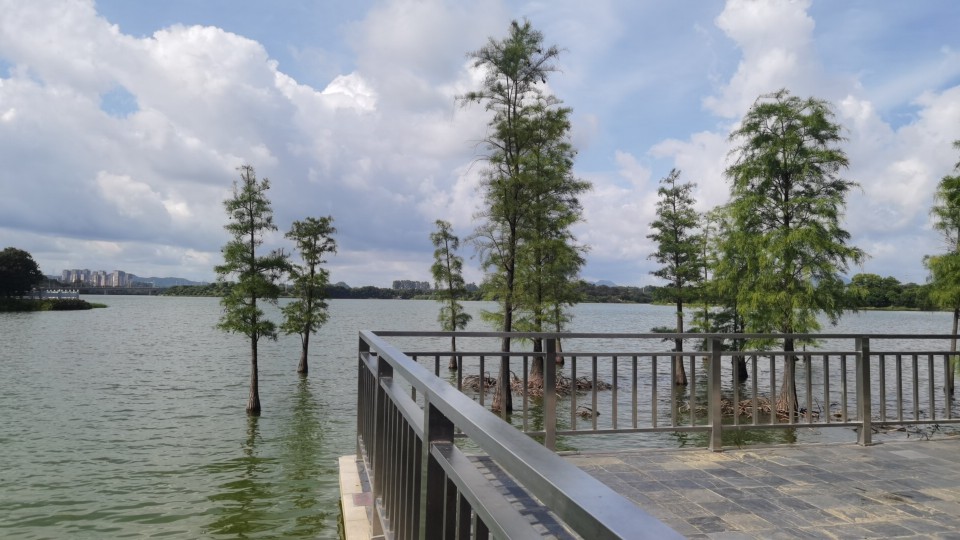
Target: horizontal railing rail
425,485
908,379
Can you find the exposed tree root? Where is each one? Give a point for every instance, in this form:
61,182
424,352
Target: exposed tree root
565,385
743,408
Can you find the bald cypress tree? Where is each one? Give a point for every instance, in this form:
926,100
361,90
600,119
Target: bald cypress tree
678,238
787,198
945,267
447,270
250,217
305,315
515,69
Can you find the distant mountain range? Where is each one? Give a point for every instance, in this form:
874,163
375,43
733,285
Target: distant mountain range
166,281
605,283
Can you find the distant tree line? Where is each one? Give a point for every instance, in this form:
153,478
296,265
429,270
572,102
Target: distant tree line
411,284
870,291
19,276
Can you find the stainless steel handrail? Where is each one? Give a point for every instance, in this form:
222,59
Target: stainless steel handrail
585,506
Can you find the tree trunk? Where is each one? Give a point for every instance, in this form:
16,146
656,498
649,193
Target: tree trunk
503,397
952,365
536,369
680,375
303,368
739,364
253,401
452,364
787,400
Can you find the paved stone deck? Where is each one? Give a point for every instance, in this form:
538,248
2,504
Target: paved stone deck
903,489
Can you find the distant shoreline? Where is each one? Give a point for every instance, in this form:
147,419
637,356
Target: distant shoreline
20,305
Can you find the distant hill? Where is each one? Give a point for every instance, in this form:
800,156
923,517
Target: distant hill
605,283
166,281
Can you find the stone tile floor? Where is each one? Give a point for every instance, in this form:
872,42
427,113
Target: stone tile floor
903,489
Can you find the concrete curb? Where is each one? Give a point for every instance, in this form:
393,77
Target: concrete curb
354,501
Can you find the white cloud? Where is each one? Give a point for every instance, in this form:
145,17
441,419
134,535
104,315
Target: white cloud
701,160
618,211
775,39
383,146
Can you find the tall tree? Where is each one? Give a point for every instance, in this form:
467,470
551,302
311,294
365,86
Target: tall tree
306,314
447,270
514,70
549,258
727,266
723,266
679,239
786,205
19,273
945,268
250,217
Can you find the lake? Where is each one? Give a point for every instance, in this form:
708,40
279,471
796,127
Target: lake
129,421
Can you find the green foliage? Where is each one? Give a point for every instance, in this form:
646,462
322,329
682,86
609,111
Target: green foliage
250,216
313,238
218,288
787,199
549,258
945,268
723,269
19,273
605,294
678,239
447,270
47,304
875,292
68,304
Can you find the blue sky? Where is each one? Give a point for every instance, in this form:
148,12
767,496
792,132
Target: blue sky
122,123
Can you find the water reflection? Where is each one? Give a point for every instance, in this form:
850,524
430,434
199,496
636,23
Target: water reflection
273,489
244,502
737,438
302,442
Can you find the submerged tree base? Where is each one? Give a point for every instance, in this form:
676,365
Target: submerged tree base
744,408
565,385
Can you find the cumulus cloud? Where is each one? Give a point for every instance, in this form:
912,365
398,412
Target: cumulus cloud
775,40
119,150
207,100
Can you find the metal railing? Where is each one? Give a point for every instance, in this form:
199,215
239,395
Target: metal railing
409,417
425,486
847,381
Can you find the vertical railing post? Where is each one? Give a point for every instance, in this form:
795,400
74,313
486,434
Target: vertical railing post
715,411
362,348
947,394
381,446
550,395
437,428
864,410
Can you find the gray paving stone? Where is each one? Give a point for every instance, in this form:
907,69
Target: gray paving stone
889,530
894,490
